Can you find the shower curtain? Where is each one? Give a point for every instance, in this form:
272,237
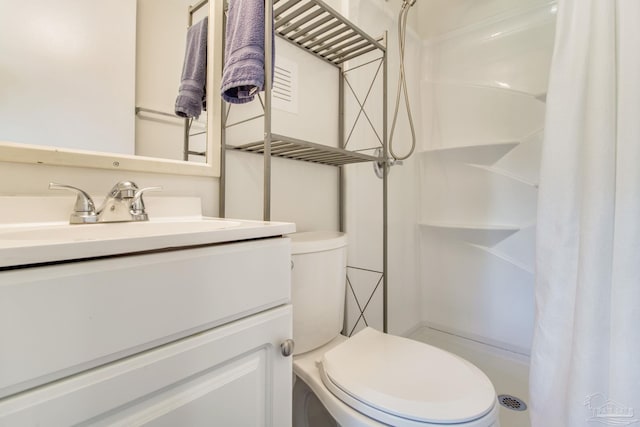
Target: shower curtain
585,362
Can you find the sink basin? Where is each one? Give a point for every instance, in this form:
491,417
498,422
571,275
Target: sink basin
118,230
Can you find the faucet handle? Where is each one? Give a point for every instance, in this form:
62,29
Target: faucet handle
137,204
84,210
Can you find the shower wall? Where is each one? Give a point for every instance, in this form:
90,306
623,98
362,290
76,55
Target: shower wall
483,83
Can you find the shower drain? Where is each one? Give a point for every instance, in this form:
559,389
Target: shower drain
512,402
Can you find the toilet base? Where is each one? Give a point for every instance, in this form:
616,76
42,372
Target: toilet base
308,411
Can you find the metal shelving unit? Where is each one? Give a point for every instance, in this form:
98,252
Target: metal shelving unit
316,28
321,31
296,149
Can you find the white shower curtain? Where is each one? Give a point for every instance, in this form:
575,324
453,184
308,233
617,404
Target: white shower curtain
585,362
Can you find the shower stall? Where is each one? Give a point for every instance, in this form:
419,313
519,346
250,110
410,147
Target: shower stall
462,209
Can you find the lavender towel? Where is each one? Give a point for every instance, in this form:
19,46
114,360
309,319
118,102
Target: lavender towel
243,74
191,95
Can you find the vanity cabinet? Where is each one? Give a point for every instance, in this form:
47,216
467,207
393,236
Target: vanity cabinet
184,337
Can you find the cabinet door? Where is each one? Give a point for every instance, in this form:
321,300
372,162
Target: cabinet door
233,375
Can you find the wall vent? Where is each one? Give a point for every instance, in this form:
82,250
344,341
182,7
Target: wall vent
285,85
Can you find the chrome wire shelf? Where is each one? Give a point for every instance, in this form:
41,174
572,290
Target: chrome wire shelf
314,26
295,149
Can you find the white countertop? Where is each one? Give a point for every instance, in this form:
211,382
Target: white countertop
26,238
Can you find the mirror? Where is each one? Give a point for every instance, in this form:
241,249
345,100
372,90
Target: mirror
88,83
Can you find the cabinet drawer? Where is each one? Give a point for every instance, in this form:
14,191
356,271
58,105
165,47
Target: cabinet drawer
62,319
233,375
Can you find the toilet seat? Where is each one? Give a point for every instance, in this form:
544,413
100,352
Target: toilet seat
380,376
399,381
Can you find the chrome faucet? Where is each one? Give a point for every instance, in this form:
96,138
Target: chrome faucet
123,203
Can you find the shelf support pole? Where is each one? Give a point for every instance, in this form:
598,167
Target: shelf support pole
341,182
341,143
268,78
220,25
385,173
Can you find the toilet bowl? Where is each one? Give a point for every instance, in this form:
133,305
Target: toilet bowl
372,378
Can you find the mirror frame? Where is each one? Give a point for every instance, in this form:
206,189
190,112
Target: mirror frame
49,155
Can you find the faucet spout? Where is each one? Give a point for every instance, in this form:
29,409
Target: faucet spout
124,203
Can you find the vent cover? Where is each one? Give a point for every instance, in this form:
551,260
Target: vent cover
285,85
512,402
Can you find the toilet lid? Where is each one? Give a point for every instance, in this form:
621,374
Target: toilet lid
381,375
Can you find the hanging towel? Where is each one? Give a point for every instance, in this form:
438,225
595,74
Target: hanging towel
191,95
243,74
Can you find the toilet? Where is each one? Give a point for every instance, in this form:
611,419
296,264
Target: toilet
372,378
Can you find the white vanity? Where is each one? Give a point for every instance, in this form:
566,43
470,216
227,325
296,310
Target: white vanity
180,323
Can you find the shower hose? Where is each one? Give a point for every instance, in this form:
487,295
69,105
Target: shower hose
402,84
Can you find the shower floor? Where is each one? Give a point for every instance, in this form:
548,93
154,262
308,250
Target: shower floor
509,372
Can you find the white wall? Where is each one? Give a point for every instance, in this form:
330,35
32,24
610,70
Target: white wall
66,75
483,113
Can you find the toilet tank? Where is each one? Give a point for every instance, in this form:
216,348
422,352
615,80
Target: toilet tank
318,280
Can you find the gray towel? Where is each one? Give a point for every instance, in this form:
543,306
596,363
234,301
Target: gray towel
191,94
243,74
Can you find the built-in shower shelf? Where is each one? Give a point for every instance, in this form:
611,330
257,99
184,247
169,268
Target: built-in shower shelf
296,149
483,154
479,234
317,28
505,173
470,226
503,257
